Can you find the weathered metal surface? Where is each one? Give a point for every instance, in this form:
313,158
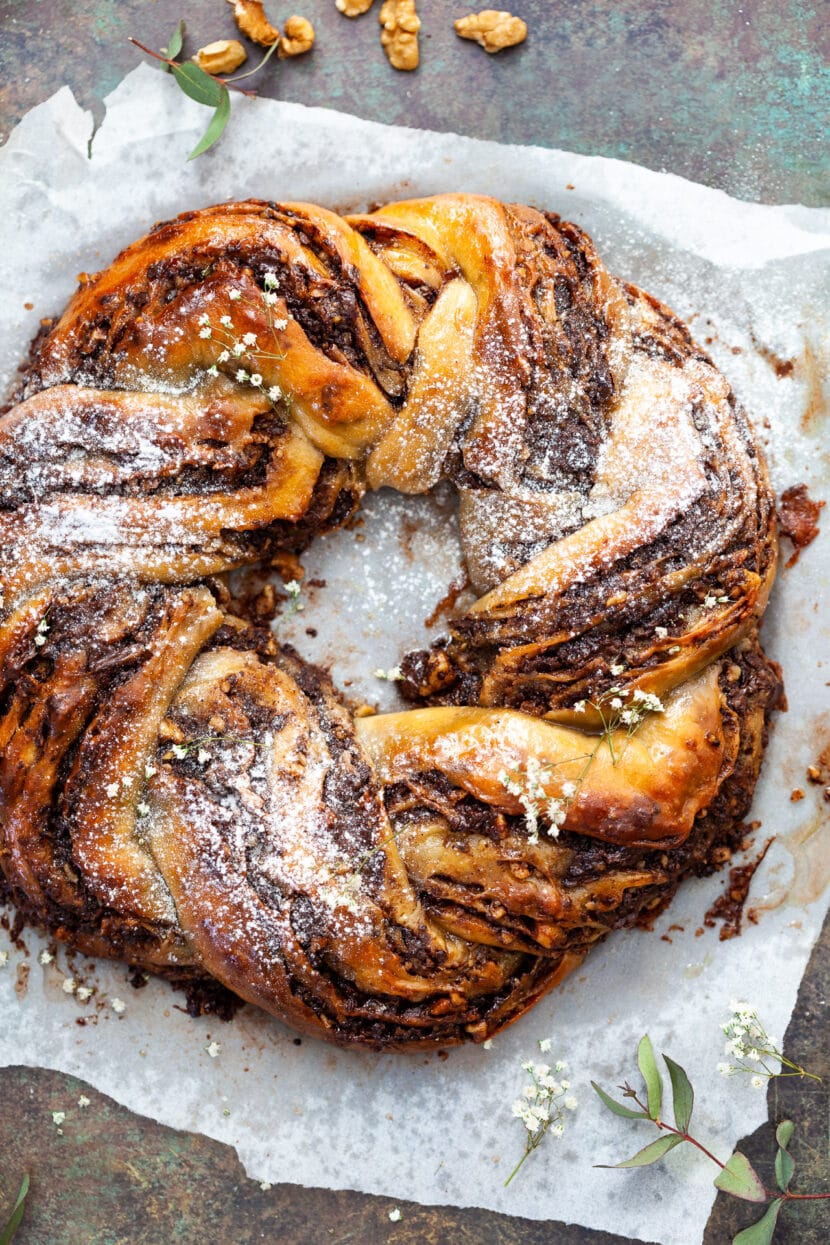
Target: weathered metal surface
732,95
725,94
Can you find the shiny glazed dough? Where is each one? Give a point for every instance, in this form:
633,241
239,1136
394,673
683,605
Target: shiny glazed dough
178,791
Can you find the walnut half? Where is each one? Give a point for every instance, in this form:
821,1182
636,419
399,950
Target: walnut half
297,37
399,33
223,56
492,29
353,8
249,16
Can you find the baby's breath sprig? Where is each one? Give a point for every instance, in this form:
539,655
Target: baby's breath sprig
295,605
200,746
737,1176
751,1050
245,355
617,710
203,87
543,1104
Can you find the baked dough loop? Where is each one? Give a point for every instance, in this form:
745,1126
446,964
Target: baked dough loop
180,792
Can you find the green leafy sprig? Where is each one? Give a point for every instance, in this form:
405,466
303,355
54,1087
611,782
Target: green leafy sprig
205,88
737,1176
16,1217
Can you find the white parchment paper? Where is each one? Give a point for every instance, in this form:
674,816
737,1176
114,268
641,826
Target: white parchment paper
750,279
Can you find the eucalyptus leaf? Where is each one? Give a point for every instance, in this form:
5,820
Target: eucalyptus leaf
16,1217
740,1179
651,1076
175,45
217,125
784,1133
198,84
683,1096
617,1107
784,1170
651,1153
761,1233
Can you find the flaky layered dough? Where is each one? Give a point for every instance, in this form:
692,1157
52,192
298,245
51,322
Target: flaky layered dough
178,791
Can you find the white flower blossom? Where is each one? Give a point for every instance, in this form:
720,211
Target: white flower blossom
224,355
207,331
249,339
275,393
118,1006
235,296
256,380
226,322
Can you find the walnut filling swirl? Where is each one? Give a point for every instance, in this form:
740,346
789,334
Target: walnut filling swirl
179,791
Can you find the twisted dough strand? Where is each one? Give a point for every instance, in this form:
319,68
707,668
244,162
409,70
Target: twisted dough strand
177,791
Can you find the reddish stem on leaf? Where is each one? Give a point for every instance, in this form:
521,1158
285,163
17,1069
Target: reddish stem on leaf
166,61
785,1195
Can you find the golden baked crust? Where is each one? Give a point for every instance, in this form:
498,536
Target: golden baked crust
179,792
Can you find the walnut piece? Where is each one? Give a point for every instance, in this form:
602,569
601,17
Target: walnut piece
399,33
297,37
220,57
249,16
492,29
353,8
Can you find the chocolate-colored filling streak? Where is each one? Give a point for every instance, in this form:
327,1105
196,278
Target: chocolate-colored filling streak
180,792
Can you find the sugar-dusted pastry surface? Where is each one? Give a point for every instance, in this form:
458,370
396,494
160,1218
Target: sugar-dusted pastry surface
180,792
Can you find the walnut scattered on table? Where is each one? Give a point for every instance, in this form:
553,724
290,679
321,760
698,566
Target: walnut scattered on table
492,29
249,16
223,56
297,37
353,8
399,33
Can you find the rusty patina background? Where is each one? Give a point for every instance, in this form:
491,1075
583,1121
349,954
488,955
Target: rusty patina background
733,95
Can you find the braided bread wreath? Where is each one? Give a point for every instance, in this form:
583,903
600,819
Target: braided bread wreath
180,792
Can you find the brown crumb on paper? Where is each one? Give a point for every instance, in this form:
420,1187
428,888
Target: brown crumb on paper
297,37
729,908
399,33
492,29
798,518
249,16
223,56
